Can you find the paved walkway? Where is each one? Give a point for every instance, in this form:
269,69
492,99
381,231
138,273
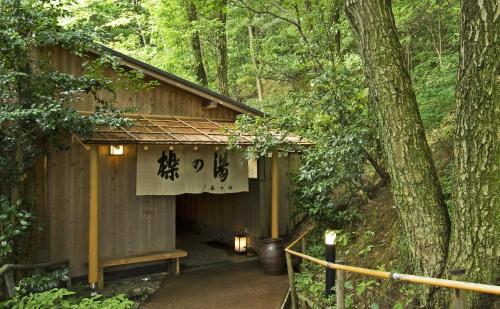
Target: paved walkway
230,286
203,251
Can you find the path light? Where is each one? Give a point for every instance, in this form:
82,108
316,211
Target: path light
240,243
116,150
330,237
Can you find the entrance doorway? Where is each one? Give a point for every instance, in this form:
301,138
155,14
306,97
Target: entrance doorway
201,232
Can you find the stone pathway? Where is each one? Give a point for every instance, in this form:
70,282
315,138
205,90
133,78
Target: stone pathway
230,286
203,251
137,289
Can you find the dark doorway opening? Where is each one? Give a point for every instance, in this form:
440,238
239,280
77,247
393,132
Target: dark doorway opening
206,243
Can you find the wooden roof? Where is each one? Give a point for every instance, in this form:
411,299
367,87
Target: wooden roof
179,82
172,130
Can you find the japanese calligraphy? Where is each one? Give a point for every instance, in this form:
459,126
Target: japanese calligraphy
169,165
198,165
186,170
220,166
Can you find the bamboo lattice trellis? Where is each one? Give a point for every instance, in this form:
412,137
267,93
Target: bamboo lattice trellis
175,130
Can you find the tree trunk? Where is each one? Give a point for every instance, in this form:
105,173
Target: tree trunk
255,61
336,23
201,74
414,182
221,43
475,215
379,169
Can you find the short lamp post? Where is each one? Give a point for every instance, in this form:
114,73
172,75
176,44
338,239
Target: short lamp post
240,243
330,258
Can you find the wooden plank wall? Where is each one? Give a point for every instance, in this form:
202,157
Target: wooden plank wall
129,224
288,167
162,99
221,216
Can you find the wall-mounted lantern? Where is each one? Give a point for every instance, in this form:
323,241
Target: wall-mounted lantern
209,104
116,150
240,243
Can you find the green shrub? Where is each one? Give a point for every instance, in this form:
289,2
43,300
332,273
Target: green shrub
65,299
40,283
15,223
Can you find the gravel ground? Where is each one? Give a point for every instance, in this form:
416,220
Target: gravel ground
235,286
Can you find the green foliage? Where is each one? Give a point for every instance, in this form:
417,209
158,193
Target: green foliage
333,115
48,299
40,283
430,36
310,282
38,103
65,299
15,223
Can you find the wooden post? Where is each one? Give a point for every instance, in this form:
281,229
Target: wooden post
177,267
291,280
274,196
10,283
303,243
340,289
94,217
458,295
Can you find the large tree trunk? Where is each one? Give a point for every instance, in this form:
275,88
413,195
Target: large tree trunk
221,43
255,60
475,212
414,182
201,74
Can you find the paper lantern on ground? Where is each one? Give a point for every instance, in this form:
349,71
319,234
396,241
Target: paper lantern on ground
240,243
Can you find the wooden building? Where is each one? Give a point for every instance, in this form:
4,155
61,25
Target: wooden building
90,208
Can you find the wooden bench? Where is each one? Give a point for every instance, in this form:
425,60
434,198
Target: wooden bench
150,257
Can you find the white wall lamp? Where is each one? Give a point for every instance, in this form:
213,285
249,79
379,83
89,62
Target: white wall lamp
116,150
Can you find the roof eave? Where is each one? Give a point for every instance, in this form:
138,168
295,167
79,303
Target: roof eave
179,82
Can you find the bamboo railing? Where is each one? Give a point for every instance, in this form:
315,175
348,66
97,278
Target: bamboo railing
6,271
458,286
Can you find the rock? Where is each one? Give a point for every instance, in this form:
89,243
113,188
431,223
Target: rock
142,291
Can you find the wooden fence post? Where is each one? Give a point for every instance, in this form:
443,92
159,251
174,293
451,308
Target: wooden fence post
340,288
303,243
291,280
9,283
458,295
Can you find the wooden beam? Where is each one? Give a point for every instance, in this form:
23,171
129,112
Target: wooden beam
94,217
161,128
187,88
224,128
274,196
155,256
199,131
